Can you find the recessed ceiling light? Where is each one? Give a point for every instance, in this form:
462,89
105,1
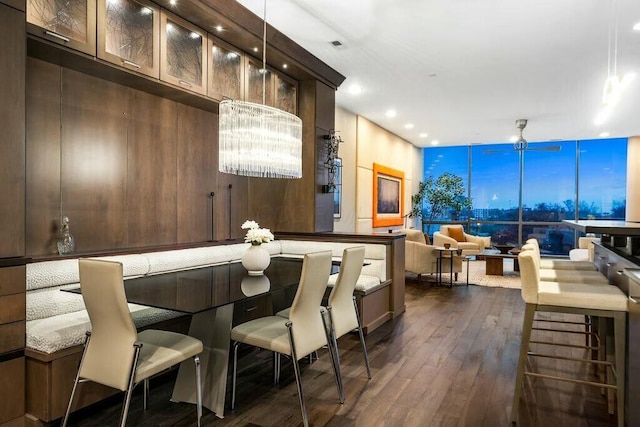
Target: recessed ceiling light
423,135
173,2
435,142
604,134
408,126
255,49
513,138
219,28
284,65
391,113
637,26
355,89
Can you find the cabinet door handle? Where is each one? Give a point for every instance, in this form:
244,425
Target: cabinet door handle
620,272
634,299
182,82
58,36
130,63
609,264
251,309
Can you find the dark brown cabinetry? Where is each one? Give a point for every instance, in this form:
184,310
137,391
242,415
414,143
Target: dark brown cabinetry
12,119
70,23
12,342
226,71
612,263
183,53
129,35
286,94
255,77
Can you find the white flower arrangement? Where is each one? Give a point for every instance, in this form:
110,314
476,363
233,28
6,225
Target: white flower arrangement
256,235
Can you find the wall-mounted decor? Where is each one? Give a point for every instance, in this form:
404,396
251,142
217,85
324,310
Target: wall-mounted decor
333,144
388,196
337,192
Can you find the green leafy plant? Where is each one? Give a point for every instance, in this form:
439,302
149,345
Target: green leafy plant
442,193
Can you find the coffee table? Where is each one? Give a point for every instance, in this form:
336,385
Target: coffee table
495,263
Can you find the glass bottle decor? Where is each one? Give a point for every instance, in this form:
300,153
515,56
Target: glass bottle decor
66,244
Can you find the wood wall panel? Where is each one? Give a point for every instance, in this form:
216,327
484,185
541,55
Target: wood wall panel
12,128
18,4
12,280
324,201
232,206
43,157
325,106
13,307
94,160
152,135
12,389
12,336
197,163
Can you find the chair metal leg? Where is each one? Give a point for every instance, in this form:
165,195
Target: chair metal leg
362,343
145,393
129,392
75,383
235,374
527,324
196,361
276,368
296,369
332,345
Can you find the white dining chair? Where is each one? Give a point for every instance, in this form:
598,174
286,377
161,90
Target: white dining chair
304,332
114,354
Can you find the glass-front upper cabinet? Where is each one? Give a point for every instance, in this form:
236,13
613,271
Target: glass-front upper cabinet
286,94
129,35
71,23
183,53
254,84
226,71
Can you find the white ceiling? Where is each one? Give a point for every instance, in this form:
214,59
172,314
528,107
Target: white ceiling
464,70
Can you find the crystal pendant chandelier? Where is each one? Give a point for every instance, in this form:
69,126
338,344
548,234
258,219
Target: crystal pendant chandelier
259,140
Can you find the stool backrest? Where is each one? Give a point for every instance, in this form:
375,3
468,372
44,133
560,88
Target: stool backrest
529,275
305,315
109,354
341,299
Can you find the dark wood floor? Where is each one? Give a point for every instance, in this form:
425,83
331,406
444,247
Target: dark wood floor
449,360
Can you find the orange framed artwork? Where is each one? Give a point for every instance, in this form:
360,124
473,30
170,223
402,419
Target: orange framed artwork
388,196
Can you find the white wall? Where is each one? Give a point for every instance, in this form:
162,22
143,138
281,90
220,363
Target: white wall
365,144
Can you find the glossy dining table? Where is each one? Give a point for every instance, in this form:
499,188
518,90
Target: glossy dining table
209,294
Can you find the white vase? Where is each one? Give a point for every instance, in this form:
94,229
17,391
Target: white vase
255,285
256,259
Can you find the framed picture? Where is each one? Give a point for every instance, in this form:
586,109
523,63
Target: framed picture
388,196
337,193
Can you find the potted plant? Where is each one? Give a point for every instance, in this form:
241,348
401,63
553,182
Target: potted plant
442,193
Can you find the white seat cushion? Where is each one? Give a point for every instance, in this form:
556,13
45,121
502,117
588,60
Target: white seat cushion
580,295
573,276
266,332
162,350
567,265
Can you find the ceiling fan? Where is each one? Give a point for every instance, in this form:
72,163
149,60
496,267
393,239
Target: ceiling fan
521,144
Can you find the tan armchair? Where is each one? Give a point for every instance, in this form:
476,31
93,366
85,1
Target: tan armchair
470,244
421,258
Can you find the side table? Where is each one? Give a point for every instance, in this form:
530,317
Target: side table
442,251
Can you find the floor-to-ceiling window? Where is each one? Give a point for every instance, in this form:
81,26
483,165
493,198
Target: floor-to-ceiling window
518,195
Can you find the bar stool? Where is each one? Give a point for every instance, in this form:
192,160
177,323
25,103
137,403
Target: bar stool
606,302
562,264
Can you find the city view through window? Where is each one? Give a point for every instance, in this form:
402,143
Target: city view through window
518,195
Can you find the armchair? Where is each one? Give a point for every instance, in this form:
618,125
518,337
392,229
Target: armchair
455,235
421,258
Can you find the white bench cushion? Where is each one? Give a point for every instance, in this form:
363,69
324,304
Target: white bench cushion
56,333
48,302
185,259
365,283
52,273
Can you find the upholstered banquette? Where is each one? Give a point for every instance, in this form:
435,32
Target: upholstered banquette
57,321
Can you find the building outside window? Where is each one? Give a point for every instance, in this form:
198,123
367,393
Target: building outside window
522,195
